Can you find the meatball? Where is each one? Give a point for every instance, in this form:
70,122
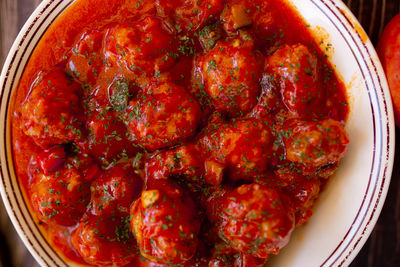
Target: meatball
244,146
253,220
61,196
115,189
166,224
296,70
189,15
108,138
230,74
105,240
269,102
51,159
162,115
303,192
185,161
86,61
224,256
297,191
314,144
52,112
142,47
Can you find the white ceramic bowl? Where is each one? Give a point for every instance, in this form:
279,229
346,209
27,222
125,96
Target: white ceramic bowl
347,210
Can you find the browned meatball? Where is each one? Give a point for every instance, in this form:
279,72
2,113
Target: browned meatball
108,138
235,16
252,219
189,15
244,146
143,47
166,224
297,191
303,192
105,240
231,73
224,256
162,115
314,144
295,69
270,101
61,196
86,61
50,160
52,112
185,161
115,189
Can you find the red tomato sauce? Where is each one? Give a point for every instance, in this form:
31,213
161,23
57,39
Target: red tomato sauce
181,133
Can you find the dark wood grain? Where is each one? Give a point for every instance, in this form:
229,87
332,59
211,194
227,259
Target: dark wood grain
13,14
374,14
382,247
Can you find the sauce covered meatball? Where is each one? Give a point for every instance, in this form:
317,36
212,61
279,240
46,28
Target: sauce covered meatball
253,219
184,161
144,47
105,240
52,113
244,146
166,223
87,61
115,189
188,15
224,256
187,162
230,73
315,144
162,115
60,194
295,69
108,139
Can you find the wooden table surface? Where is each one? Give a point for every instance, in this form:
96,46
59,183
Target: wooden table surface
382,247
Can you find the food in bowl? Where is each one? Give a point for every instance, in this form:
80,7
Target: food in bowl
189,133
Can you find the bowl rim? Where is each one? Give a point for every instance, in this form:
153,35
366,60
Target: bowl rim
386,136
345,251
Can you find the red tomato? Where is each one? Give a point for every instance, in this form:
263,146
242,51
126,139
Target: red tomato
389,53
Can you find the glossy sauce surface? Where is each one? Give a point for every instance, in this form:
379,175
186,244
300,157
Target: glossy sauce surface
189,133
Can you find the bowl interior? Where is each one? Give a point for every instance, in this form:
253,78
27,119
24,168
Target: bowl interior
349,206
